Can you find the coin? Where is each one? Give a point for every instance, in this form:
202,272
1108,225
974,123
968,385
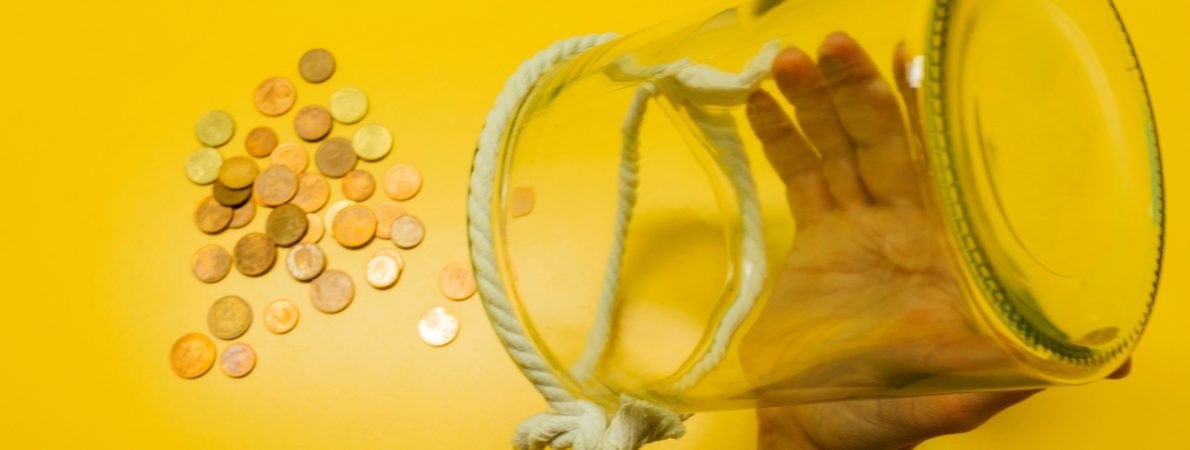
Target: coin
438,326
332,291
354,226
372,142
192,355
312,192
230,197
312,123
215,128
335,157
407,231
242,215
386,212
274,96
280,316
261,142
238,172
456,281
210,216
314,230
334,210
238,359
255,254
210,263
358,185
305,262
520,201
402,181
202,166
382,271
292,155
229,317
286,225
349,105
276,185
395,255
317,65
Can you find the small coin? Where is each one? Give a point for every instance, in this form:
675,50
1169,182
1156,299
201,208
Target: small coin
456,281
192,355
335,157
386,212
317,65
238,172
402,181
210,216
314,230
312,192
286,225
274,96
261,142
407,231
334,209
255,254
202,166
383,270
230,197
349,105
332,291
210,263
312,123
242,215
520,201
305,262
358,185
276,185
215,128
354,226
438,326
292,155
372,142
238,359
280,316
395,255
229,317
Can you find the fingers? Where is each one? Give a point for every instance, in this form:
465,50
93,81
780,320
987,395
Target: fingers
791,156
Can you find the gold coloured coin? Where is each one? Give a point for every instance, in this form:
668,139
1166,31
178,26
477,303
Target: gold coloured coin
202,166
354,226
358,185
332,291
438,326
314,230
334,209
456,281
274,96
242,215
335,157
382,271
386,212
230,197
255,254
238,359
229,317
238,172
407,231
292,155
317,65
372,142
286,225
395,255
280,316
261,142
276,185
211,217
215,128
305,262
312,192
349,105
312,123
402,181
210,263
520,201
192,355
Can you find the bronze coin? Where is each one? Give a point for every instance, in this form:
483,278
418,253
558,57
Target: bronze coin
312,192
192,355
238,172
354,226
312,123
280,316
317,65
255,254
261,142
274,96
358,185
386,213
242,215
520,201
314,229
402,181
305,262
286,225
276,185
238,360
456,281
407,231
229,317
335,157
292,155
230,197
332,291
211,217
210,263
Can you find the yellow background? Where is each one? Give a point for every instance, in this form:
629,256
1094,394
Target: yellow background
99,101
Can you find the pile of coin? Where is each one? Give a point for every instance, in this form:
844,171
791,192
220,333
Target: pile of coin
294,196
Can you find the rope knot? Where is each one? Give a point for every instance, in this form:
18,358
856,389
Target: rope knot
586,427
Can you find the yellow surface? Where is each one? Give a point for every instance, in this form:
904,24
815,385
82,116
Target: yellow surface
99,105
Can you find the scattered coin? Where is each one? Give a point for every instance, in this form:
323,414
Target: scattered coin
274,96
210,263
312,192
229,317
211,217
520,201
238,359
202,166
292,155
354,226
334,209
349,105
305,262
238,172
242,215
358,185
386,212
317,65
255,254
312,123
276,185
192,355
314,230
438,326
402,181
332,291
407,231
286,225
261,142
215,128
230,197
372,142
280,316
395,255
335,157
456,281
382,271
